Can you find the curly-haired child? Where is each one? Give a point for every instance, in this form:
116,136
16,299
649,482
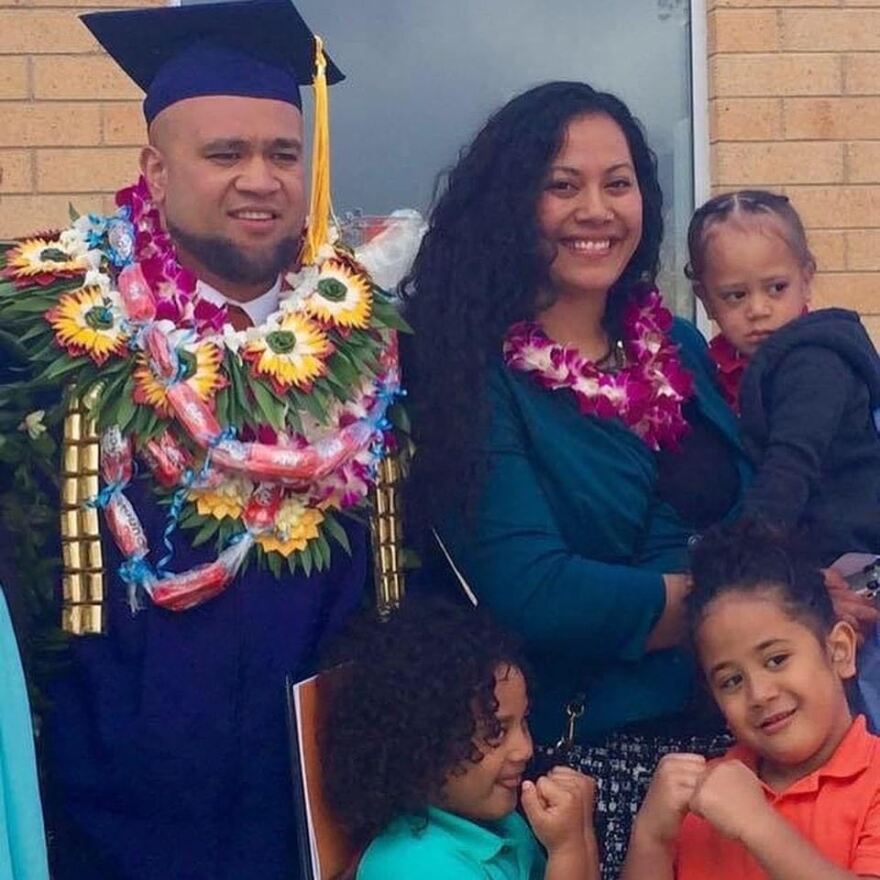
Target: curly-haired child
798,796
426,744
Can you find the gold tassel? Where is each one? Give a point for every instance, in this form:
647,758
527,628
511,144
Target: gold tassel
320,208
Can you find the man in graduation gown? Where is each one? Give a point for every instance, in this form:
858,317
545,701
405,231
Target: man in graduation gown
166,747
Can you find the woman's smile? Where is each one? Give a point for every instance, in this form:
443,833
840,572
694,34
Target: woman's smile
590,247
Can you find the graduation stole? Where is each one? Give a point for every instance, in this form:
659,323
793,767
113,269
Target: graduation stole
255,440
646,393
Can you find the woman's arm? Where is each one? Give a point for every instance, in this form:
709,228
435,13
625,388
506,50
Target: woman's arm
670,627
515,559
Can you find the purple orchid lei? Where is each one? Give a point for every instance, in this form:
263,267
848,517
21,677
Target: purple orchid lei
646,395
173,286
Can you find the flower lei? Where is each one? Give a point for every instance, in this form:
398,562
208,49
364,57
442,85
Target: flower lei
730,366
257,439
646,395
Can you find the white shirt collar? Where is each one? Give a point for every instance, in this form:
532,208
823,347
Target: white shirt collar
257,309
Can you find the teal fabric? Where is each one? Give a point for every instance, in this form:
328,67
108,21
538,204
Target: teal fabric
569,544
453,848
22,840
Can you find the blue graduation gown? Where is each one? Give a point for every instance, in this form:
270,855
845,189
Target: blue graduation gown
569,544
167,743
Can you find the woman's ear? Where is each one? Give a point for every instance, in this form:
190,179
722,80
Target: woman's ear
841,646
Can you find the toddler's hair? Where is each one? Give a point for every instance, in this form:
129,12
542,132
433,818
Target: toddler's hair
744,205
754,556
413,695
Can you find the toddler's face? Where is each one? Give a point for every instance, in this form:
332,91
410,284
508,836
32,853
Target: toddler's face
753,283
779,686
489,788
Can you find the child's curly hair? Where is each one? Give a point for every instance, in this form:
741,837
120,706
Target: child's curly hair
405,710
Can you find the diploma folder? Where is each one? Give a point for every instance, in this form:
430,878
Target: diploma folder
324,850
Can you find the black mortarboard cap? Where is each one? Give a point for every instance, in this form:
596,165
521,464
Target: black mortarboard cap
252,48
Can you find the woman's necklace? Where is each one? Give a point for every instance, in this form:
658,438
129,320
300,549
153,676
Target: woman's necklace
640,381
614,359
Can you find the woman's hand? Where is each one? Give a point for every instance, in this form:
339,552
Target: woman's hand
672,788
858,611
669,629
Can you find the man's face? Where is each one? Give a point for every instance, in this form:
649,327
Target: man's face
226,173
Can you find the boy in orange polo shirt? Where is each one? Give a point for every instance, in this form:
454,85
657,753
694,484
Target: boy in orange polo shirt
798,796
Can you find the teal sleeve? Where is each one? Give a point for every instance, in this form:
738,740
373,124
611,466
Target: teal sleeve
515,560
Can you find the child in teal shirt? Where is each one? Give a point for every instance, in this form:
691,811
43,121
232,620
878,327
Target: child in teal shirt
427,744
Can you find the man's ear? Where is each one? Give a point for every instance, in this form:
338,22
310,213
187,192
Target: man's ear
155,172
841,645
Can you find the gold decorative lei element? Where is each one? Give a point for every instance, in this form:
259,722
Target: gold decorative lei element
83,572
387,531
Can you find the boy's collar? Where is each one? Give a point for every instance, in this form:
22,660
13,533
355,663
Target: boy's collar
853,755
481,841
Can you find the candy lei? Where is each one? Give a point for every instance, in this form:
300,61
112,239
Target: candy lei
257,439
646,394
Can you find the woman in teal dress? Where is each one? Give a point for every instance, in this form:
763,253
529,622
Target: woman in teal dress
570,437
22,841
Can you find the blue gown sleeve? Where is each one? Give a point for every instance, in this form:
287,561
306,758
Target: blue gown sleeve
514,558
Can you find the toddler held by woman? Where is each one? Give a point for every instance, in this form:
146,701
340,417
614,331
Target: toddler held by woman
811,381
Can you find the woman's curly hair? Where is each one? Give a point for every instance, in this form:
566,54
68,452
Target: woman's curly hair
479,270
404,708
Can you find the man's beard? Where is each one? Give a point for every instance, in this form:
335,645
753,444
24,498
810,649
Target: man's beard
233,263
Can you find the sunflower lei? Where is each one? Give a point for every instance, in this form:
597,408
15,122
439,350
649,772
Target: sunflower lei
255,439
647,394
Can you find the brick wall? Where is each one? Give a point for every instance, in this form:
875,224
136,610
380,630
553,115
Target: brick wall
70,121
795,105
794,90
